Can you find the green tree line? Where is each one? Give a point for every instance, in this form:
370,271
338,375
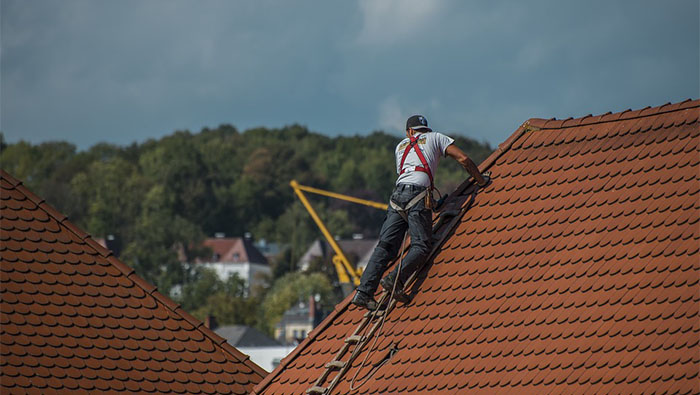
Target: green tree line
163,197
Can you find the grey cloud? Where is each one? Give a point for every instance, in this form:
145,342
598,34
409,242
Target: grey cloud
89,71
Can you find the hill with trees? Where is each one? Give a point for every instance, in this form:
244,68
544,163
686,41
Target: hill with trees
164,196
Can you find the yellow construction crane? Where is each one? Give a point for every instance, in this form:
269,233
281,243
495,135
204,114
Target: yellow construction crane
346,272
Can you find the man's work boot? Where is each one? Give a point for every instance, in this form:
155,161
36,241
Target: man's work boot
388,284
363,300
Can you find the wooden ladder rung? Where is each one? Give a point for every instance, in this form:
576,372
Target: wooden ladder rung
335,365
341,366
354,339
378,313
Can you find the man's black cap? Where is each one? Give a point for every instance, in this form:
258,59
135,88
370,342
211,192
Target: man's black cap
417,122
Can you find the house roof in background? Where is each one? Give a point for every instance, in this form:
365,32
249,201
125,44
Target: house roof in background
575,271
245,336
236,250
75,318
358,251
362,248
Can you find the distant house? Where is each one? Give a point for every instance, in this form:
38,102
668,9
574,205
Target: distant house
269,250
358,250
262,350
245,336
298,321
237,255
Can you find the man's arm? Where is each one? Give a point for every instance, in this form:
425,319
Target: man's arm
454,152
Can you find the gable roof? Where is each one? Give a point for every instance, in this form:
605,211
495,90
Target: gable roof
75,318
575,271
235,249
245,336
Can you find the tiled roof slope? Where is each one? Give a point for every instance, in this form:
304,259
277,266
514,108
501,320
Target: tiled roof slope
575,271
74,319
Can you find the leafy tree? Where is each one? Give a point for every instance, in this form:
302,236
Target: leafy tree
178,168
47,169
162,197
206,295
200,285
112,191
230,305
159,234
230,310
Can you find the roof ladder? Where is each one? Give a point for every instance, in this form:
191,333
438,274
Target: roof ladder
356,342
357,339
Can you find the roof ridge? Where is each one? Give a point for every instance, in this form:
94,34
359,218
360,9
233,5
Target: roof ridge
608,117
294,369
130,273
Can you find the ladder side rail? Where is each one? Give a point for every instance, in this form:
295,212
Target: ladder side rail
368,317
360,346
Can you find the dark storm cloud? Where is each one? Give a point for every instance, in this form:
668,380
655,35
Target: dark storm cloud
89,71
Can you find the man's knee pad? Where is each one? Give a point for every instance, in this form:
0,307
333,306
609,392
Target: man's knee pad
390,250
422,248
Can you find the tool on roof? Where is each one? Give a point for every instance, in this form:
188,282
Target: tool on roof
347,274
363,332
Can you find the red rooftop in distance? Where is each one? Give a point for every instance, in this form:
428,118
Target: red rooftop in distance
74,319
575,271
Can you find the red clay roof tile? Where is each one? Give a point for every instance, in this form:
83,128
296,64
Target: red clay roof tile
74,318
575,271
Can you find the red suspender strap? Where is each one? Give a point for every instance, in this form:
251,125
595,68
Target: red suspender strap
425,168
405,153
410,145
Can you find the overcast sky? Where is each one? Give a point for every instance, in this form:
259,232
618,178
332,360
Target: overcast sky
88,71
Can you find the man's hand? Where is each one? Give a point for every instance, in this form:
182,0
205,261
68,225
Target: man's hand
457,154
487,179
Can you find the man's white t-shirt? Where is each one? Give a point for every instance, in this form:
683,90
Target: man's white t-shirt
433,146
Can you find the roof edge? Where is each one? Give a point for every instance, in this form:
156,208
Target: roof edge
130,273
524,128
628,114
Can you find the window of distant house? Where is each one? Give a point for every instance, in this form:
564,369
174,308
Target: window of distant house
236,256
295,333
303,334
216,257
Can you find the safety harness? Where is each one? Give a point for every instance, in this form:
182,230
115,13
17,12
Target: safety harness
426,194
413,144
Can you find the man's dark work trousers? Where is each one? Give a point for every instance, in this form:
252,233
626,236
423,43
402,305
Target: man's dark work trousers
390,238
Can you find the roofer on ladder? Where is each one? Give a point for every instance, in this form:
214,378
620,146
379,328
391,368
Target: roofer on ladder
410,207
